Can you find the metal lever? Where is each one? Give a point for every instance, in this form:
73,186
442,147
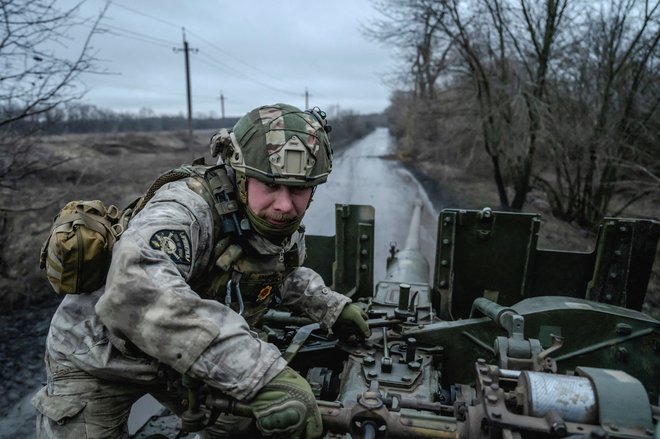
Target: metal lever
386,361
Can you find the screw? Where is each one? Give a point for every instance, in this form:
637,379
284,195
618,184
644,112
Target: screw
445,241
372,374
559,428
444,263
363,237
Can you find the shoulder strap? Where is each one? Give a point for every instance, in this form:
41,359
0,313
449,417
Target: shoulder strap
224,200
213,185
168,177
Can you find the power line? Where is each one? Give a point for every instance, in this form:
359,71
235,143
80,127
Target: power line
232,56
169,23
238,72
143,14
136,38
138,34
205,58
216,63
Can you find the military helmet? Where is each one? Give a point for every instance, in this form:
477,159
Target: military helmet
281,144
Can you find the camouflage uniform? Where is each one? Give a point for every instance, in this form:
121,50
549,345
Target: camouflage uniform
106,349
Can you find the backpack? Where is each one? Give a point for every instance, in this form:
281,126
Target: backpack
77,252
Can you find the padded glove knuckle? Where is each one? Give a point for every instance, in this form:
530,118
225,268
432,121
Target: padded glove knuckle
286,407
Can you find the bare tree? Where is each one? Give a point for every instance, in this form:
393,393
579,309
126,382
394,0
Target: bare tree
486,67
609,86
565,94
506,50
35,78
499,54
413,27
40,68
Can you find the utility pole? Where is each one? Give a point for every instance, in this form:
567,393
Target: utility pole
306,99
185,51
222,105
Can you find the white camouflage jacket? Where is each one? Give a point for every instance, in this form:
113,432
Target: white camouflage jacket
148,315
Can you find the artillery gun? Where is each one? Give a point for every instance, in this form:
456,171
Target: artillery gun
508,341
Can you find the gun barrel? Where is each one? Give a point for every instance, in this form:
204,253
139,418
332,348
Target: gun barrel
412,241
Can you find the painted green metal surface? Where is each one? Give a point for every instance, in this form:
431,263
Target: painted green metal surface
346,260
484,253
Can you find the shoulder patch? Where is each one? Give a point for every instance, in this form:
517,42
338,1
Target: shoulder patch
174,243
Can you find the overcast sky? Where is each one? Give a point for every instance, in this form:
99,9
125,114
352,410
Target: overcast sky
253,52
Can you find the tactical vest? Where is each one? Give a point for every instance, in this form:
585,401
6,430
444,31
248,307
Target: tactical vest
237,275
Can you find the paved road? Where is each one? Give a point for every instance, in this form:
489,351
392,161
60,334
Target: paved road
365,174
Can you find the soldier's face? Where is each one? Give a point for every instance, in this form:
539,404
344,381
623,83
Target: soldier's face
276,203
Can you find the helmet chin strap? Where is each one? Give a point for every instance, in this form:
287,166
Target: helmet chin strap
269,230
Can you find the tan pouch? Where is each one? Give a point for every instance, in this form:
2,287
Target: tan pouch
77,252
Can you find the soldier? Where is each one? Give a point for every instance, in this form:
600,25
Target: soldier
189,279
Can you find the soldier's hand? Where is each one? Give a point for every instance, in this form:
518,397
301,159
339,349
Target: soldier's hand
352,320
286,407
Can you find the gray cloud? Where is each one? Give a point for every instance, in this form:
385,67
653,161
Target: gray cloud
255,52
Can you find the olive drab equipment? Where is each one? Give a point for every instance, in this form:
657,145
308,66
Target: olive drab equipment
76,254
78,249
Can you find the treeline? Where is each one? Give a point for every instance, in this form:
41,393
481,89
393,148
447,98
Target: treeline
75,118
83,118
559,96
349,126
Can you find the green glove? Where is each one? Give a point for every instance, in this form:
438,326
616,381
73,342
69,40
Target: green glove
352,320
286,407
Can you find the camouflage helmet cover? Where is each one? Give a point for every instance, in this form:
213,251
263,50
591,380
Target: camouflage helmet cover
281,144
